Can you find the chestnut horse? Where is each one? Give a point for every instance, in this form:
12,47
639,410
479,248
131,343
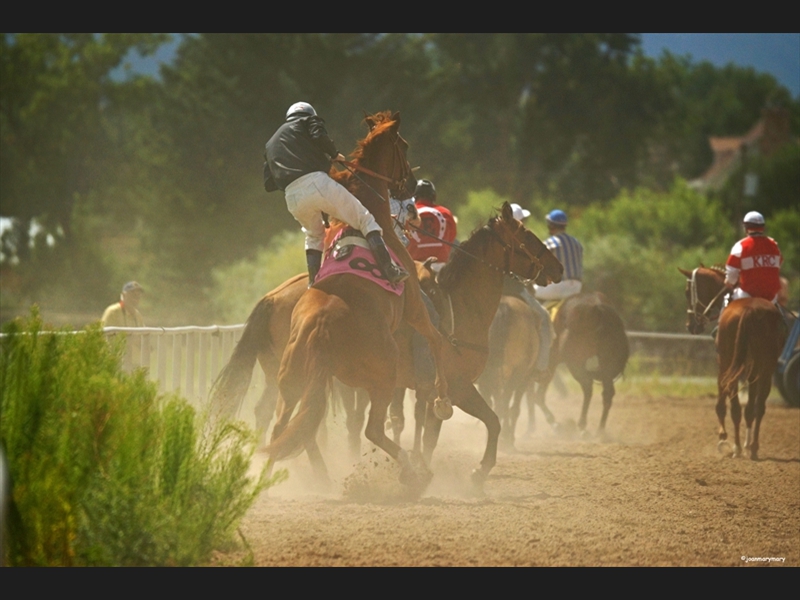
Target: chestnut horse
472,283
591,341
379,168
750,337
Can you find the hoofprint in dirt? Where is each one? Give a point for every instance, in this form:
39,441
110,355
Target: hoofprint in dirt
653,492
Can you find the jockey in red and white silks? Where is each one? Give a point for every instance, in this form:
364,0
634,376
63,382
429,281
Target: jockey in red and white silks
754,263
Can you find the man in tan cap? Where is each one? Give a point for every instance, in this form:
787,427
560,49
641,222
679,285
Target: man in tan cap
125,313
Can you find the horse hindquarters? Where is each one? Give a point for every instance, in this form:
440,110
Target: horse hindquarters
749,342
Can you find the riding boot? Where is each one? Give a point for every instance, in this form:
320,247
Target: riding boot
314,262
392,272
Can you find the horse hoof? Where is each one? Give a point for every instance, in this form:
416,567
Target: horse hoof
442,408
478,478
724,447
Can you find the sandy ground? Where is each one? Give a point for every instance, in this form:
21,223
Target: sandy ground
655,492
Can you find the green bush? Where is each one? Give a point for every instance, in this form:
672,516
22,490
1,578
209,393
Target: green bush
103,470
240,285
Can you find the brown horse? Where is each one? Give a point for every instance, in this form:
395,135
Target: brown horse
591,341
323,326
467,294
750,337
379,168
513,350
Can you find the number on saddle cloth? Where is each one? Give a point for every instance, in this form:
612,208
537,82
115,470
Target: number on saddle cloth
349,252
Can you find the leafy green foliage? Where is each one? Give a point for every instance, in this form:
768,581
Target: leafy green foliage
105,472
239,286
160,181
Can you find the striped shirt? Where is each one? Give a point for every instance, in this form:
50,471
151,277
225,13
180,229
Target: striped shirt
569,252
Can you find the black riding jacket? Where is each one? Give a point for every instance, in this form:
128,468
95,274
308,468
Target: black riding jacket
300,146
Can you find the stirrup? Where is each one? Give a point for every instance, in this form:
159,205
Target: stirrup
396,274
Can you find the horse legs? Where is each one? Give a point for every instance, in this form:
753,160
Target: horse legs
731,390
587,383
379,404
472,403
754,411
432,429
397,419
317,462
608,397
264,410
536,397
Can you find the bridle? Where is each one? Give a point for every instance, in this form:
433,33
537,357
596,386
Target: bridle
697,308
396,185
508,254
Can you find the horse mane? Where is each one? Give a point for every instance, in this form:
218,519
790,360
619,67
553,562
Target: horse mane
719,268
460,260
383,121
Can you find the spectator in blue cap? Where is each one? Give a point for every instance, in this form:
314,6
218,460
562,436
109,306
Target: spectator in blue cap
570,252
125,313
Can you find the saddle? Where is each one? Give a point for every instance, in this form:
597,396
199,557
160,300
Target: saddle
349,252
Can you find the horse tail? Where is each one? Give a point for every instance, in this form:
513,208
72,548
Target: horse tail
614,349
230,386
755,324
315,381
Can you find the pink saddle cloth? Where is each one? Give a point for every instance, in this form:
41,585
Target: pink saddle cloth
356,260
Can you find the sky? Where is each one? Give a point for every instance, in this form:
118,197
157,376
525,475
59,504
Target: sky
775,53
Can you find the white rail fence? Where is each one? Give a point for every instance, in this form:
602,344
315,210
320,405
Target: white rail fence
187,360
184,360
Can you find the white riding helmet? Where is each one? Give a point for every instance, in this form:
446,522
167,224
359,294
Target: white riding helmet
754,218
519,212
299,108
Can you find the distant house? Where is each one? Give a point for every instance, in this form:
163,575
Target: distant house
770,133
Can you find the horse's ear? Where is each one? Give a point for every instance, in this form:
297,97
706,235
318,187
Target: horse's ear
688,274
396,118
369,120
506,212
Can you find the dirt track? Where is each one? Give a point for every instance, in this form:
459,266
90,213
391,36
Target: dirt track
656,492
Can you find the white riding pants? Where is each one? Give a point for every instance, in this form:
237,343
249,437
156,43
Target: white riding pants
557,291
314,193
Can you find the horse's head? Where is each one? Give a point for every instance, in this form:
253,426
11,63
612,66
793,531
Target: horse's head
704,287
384,151
525,254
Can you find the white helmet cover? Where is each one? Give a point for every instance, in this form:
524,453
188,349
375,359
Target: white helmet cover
301,107
754,218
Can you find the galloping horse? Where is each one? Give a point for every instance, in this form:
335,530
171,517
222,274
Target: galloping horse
471,283
750,337
591,341
379,168
513,350
467,294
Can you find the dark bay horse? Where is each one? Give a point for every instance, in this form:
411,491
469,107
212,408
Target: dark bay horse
513,351
591,341
466,294
750,337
